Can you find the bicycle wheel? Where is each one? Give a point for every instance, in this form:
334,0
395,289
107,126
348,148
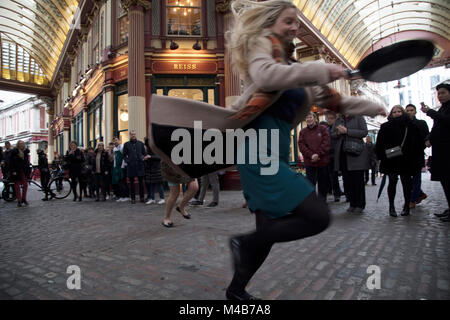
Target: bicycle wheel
60,188
8,193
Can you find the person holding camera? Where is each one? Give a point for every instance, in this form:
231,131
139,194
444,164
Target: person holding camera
399,153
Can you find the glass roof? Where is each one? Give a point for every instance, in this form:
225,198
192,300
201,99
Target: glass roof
352,26
32,35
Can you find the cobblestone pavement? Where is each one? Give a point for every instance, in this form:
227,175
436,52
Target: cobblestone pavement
124,252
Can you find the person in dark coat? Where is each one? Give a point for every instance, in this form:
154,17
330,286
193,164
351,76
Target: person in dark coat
333,174
20,171
314,144
372,161
439,140
74,158
5,162
87,178
352,166
133,155
44,172
101,167
153,175
392,134
417,195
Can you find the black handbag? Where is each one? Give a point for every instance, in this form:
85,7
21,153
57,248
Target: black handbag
353,146
396,151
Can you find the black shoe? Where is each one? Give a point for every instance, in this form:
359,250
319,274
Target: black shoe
167,225
405,211
392,212
19,204
374,184
337,199
186,216
45,199
443,214
239,297
196,203
25,203
97,199
142,200
80,198
212,204
446,219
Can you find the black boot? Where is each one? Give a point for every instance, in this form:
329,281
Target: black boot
392,212
75,196
405,211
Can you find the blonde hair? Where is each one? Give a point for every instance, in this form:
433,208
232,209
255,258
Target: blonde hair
252,22
397,106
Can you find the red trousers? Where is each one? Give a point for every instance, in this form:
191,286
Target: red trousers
23,181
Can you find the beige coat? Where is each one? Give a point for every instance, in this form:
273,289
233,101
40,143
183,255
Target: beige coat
266,74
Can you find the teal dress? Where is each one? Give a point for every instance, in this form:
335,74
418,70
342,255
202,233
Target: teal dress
278,193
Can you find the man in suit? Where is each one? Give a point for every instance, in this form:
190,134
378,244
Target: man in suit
134,155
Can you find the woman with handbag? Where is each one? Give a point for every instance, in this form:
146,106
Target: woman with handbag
351,158
400,153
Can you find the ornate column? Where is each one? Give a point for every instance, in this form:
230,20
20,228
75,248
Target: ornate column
232,79
136,66
108,112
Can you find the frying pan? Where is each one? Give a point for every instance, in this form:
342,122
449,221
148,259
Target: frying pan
395,61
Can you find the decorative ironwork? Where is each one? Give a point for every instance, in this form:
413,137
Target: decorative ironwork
223,7
126,4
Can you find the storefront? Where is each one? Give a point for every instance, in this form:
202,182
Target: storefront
120,118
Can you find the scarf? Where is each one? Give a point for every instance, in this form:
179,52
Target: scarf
260,100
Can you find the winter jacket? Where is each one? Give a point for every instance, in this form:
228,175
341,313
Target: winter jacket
315,140
391,134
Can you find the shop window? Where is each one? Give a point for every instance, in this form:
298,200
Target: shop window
78,129
184,17
123,23
122,116
95,123
95,42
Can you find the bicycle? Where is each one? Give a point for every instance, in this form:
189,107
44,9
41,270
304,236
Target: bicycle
59,186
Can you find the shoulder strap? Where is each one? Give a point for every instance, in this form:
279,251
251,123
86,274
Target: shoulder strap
404,138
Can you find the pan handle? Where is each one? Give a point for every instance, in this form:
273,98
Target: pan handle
353,74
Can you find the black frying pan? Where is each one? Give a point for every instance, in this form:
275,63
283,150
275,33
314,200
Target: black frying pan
395,61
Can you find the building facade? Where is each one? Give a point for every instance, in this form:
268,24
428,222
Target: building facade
25,120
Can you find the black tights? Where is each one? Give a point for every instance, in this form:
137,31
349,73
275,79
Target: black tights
407,188
309,218
75,181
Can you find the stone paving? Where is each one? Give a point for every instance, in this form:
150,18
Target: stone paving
124,252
